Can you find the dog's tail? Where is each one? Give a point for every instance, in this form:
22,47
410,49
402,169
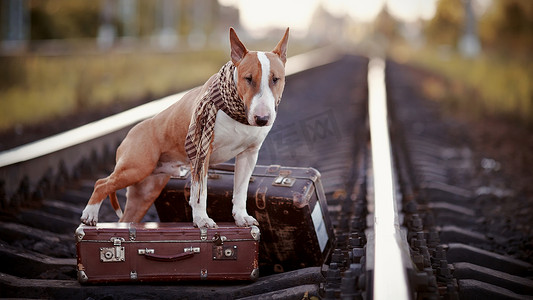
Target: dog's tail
115,204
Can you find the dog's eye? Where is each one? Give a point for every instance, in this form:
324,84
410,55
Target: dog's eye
248,79
275,80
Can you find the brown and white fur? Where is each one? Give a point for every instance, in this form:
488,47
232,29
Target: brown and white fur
154,150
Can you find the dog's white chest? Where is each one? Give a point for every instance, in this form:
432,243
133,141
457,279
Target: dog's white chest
232,138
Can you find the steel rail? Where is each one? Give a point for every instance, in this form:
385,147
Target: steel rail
79,135
390,275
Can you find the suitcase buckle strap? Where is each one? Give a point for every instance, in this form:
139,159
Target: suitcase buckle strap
133,232
203,234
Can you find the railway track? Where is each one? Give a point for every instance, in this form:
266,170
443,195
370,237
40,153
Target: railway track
404,228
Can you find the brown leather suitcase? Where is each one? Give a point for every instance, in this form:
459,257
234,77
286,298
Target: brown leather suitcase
130,252
289,204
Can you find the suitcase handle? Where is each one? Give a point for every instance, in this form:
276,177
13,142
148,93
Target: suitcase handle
169,258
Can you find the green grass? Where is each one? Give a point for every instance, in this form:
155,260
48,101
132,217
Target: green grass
489,85
37,88
34,89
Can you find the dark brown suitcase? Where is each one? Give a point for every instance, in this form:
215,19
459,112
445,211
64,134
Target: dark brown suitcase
289,204
129,252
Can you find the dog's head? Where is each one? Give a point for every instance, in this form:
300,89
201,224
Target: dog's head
260,78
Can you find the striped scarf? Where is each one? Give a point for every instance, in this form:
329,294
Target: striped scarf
221,94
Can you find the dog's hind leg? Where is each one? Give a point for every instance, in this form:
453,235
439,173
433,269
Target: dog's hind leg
121,177
141,196
89,215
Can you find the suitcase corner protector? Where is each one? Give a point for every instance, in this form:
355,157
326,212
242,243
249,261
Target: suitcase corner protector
255,232
82,277
255,274
80,233
316,174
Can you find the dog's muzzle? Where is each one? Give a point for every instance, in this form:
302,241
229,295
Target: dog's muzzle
261,120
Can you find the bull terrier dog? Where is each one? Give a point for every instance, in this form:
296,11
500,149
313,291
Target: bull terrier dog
229,116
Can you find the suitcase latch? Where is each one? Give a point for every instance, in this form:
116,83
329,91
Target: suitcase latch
117,241
221,251
113,254
225,252
284,180
213,176
182,172
219,240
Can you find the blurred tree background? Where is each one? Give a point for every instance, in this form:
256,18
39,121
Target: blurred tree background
60,58
498,81
63,19
507,26
446,26
64,57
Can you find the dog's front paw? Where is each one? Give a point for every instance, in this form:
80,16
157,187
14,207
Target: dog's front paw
204,222
89,215
244,220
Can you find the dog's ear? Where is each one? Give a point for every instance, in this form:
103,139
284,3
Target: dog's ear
238,50
281,48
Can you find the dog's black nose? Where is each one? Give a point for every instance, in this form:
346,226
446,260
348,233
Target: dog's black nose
261,120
